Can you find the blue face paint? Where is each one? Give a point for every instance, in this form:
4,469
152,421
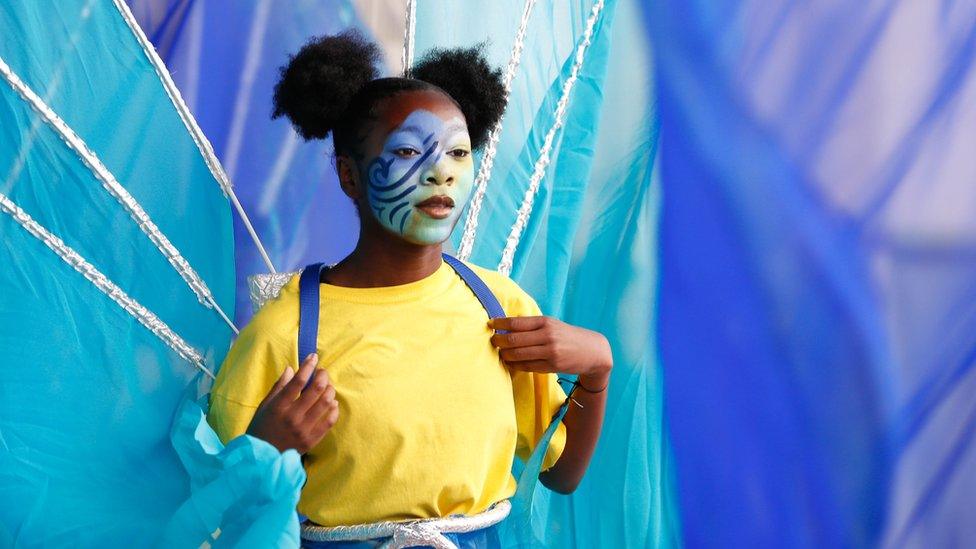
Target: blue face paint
422,179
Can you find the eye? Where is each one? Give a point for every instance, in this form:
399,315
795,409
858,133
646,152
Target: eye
406,152
459,153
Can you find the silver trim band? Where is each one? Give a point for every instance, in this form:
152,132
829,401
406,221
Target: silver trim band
145,317
114,188
488,159
539,171
411,533
203,144
409,32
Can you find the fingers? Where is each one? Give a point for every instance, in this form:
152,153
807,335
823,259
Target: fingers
294,387
518,323
318,387
523,354
329,418
520,339
324,403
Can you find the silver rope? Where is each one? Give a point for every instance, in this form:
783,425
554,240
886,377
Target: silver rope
410,533
206,149
539,171
488,159
409,30
106,286
114,188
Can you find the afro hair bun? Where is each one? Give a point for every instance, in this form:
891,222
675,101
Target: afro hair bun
318,82
466,76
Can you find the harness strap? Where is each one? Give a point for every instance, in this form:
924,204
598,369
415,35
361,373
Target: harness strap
477,286
308,327
308,310
308,301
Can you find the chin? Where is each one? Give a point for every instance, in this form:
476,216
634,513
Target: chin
427,238
429,234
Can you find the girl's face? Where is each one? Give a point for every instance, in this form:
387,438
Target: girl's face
417,172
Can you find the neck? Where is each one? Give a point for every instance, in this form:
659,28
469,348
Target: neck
381,259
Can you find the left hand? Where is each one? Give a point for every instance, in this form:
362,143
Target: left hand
545,344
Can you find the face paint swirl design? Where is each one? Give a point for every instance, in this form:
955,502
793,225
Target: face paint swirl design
420,182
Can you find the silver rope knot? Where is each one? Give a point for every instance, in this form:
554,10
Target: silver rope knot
413,534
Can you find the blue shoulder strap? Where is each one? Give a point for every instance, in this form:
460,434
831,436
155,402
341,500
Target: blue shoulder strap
477,286
308,301
308,310
308,328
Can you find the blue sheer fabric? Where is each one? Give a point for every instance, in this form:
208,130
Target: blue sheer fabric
816,321
90,455
806,166
589,253
225,57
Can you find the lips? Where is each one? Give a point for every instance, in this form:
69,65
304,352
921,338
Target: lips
437,207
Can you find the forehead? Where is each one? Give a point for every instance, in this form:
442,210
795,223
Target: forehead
399,107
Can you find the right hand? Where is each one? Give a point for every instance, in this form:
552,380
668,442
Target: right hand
294,416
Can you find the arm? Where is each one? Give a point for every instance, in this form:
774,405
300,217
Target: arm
546,345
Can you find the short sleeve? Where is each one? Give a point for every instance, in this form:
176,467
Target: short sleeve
537,399
538,396
252,366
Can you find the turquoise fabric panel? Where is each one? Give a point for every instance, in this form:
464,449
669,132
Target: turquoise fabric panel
589,252
60,52
90,455
225,56
606,279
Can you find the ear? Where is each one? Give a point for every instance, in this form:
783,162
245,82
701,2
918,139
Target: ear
349,179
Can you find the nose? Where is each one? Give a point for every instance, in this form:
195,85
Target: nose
439,174
436,180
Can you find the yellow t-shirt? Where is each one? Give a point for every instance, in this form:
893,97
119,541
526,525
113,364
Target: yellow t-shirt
429,416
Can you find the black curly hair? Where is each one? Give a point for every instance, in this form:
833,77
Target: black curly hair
331,85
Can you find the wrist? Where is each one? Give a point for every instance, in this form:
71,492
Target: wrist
602,364
595,382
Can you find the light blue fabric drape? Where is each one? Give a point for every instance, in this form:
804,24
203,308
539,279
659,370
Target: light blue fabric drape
811,165
588,254
817,262
88,457
225,57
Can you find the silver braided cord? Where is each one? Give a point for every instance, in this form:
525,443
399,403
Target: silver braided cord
203,144
488,158
106,286
114,188
410,533
539,171
409,32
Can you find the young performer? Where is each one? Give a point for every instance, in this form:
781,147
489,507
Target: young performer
414,404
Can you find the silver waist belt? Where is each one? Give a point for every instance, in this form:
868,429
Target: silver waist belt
410,533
